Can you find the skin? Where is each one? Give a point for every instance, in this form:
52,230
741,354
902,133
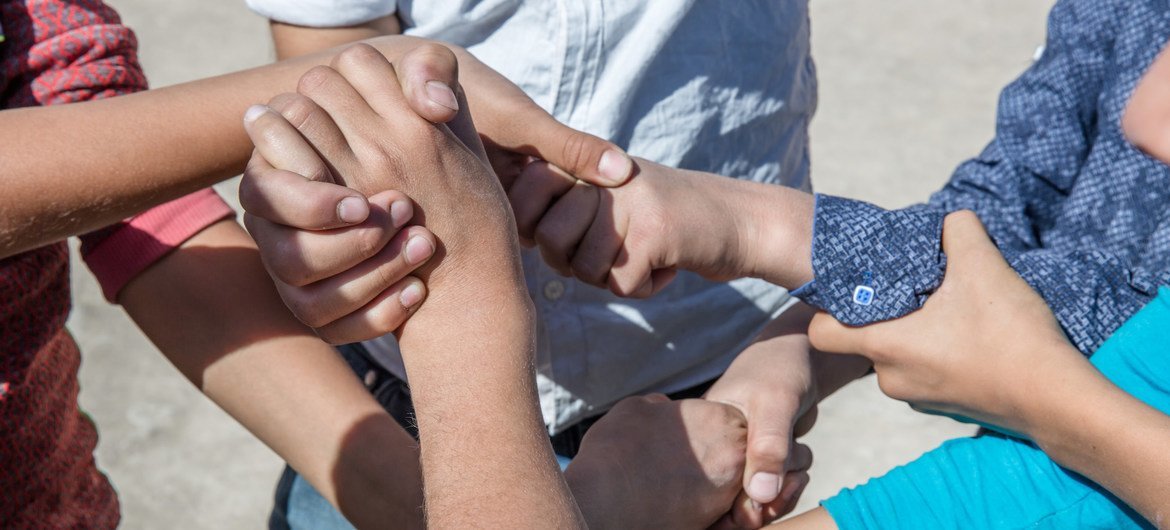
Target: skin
962,354
48,198
592,478
195,140
283,211
635,250
627,225
473,341
243,349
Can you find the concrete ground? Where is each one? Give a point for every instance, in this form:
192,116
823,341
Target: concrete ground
908,90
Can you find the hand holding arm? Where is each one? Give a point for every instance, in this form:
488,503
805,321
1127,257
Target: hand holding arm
468,351
985,346
632,238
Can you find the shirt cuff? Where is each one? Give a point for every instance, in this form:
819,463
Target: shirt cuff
323,13
872,264
134,245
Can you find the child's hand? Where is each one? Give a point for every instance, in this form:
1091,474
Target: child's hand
631,239
356,116
294,219
979,348
772,385
655,463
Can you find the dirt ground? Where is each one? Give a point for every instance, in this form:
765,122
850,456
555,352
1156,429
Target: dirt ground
908,90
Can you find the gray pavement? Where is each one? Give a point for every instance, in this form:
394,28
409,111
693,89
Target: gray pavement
908,89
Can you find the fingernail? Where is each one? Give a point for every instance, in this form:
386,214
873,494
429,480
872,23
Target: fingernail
411,295
353,210
764,487
400,213
254,112
756,506
418,250
614,166
442,94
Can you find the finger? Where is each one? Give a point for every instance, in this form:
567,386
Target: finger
827,334
769,438
280,144
323,302
384,314
794,485
538,187
806,422
564,224
599,249
287,198
341,101
585,156
746,513
429,75
300,257
963,231
657,397
321,133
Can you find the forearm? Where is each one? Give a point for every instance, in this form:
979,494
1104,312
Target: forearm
107,160
294,41
211,308
775,228
1087,424
484,447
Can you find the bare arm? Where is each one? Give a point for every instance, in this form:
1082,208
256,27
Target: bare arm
295,41
1088,424
106,160
240,345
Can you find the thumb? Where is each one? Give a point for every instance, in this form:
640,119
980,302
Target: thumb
583,155
828,334
769,438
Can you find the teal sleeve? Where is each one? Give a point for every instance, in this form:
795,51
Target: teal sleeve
997,481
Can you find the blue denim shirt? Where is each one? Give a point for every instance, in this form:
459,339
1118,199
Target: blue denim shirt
1079,212
708,85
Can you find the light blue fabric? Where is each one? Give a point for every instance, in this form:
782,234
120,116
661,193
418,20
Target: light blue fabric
996,481
709,85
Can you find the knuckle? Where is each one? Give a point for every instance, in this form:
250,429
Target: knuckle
303,305
770,449
282,254
356,55
295,108
367,242
316,79
575,152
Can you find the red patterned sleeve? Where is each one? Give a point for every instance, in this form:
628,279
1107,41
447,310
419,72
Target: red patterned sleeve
78,50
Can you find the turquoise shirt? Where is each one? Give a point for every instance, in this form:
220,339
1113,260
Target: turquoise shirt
996,481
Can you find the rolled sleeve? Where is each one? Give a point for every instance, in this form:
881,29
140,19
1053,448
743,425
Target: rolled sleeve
323,13
121,252
871,264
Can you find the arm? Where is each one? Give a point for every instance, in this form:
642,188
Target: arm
468,351
153,146
243,349
986,347
143,149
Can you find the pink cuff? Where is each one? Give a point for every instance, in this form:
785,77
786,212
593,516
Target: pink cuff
134,245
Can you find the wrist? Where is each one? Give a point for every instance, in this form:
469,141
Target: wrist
1052,412
600,502
775,234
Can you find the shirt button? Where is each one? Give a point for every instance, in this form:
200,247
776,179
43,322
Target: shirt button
554,290
370,378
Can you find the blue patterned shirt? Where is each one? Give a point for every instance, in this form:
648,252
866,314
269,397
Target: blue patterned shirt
1079,212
